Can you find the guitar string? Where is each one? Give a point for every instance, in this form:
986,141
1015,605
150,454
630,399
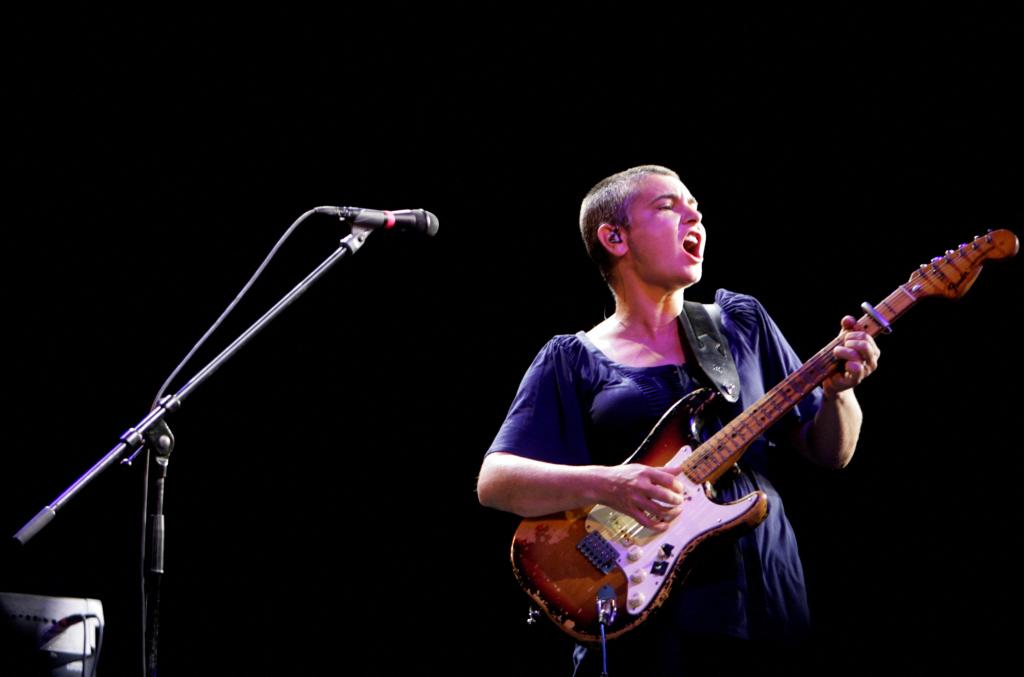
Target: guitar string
973,255
823,360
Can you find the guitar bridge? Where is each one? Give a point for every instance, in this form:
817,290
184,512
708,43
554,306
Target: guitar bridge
599,552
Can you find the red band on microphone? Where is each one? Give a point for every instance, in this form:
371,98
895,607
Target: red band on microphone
391,219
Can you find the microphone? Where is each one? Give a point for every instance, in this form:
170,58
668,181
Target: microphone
413,220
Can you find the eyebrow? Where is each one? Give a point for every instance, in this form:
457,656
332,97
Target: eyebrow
665,196
673,196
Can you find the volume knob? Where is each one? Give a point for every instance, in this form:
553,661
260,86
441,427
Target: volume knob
637,600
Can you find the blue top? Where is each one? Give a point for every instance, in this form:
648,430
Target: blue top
577,406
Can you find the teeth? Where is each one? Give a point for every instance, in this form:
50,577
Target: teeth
691,243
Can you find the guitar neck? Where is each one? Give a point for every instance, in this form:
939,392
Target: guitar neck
724,448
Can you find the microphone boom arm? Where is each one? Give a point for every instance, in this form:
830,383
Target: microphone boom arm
134,437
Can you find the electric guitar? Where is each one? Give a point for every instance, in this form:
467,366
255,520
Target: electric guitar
597,573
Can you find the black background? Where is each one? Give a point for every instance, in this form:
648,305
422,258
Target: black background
321,509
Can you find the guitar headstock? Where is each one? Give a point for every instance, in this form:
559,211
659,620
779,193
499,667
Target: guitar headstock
952,274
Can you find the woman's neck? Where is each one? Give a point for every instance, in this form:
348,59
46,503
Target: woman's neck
642,332
646,317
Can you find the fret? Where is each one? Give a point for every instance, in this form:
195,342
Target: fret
725,447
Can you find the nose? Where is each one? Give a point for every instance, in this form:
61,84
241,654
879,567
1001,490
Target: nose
690,214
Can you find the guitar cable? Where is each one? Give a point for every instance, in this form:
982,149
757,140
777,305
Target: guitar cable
604,654
580,651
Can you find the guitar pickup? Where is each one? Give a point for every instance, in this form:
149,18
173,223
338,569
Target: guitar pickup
599,552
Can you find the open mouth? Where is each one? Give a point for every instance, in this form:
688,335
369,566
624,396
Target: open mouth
691,244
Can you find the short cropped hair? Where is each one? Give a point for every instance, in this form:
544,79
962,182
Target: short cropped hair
608,202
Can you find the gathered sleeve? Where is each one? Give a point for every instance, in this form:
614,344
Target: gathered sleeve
545,421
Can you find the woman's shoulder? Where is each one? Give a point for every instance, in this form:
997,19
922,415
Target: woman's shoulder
563,343
566,359
742,309
562,348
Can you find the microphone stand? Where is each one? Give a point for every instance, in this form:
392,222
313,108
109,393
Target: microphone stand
160,441
152,431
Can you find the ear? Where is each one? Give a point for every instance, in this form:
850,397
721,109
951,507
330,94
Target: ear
612,239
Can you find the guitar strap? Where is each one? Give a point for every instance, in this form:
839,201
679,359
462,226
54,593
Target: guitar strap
702,324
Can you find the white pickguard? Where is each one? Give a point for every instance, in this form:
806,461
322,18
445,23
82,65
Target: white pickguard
648,557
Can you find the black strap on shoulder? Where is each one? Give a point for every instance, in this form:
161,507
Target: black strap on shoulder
702,326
